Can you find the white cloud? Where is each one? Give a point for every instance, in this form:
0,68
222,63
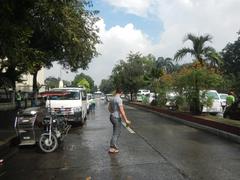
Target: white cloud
117,42
179,17
219,18
137,7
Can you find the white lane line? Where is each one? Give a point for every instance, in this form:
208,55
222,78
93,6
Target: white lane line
128,128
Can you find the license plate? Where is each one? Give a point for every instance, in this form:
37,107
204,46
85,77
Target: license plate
26,137
25,120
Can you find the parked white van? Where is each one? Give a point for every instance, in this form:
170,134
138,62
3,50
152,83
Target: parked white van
143,91
73,106
216,104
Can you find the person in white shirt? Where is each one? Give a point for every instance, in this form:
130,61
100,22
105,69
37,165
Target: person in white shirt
116,116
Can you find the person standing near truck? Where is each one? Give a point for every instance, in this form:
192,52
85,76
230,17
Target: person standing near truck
117,115
18,99
230,99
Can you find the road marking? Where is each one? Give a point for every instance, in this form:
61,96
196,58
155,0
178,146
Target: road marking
128,128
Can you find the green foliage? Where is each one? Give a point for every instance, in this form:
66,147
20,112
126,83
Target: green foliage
144,100
193,79
204,78
82,76
207,101
231,65
202,53
161,98
179,100
33,34
107,86
84,83
197,78
52,82
130,74
165,65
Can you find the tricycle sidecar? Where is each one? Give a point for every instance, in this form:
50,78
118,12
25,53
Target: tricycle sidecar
28,125
41,125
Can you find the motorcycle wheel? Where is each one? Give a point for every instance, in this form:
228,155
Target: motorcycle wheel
48,145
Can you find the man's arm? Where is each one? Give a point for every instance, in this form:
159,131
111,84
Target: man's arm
122,112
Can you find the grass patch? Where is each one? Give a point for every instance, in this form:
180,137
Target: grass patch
220,119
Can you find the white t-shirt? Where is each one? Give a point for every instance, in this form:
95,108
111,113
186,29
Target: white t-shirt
116,103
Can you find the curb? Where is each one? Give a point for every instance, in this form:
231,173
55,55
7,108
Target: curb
5,147
6,152
217,128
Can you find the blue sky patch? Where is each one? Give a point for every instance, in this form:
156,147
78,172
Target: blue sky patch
151,26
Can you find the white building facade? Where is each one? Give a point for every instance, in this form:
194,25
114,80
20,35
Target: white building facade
27,83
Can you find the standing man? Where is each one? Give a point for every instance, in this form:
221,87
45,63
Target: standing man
230,99
18,99
26,99
116,116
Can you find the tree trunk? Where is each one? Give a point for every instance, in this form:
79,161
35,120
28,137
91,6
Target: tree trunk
35,89
196,99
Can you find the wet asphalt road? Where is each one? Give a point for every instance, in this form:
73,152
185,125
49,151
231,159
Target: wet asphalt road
160,149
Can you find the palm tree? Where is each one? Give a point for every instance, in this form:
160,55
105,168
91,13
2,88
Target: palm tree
214,60
203,54
199,51
165,64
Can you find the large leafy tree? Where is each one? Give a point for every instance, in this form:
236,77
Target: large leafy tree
84,83
107,86
200,51
161,70
14,38
205,56
152,76
82,76
193,78
130,74
231,65
52,82
33,34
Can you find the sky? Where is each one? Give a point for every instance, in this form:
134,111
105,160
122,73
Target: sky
155,27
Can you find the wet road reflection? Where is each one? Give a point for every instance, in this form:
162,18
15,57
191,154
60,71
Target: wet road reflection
160,149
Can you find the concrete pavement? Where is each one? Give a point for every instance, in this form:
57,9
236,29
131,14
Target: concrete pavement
8,136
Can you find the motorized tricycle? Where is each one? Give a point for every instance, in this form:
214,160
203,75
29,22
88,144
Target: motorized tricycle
39,125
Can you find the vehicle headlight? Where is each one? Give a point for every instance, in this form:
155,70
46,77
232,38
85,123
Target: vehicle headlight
33,113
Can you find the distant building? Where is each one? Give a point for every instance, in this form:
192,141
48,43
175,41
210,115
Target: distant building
27,84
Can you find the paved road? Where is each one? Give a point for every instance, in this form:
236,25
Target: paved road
160,149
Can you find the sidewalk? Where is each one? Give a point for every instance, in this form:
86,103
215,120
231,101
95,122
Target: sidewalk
226,128
8,137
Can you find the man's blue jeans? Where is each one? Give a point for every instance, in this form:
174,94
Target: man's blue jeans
116,122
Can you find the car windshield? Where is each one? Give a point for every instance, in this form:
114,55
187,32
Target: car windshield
71,95
223,96
213,95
